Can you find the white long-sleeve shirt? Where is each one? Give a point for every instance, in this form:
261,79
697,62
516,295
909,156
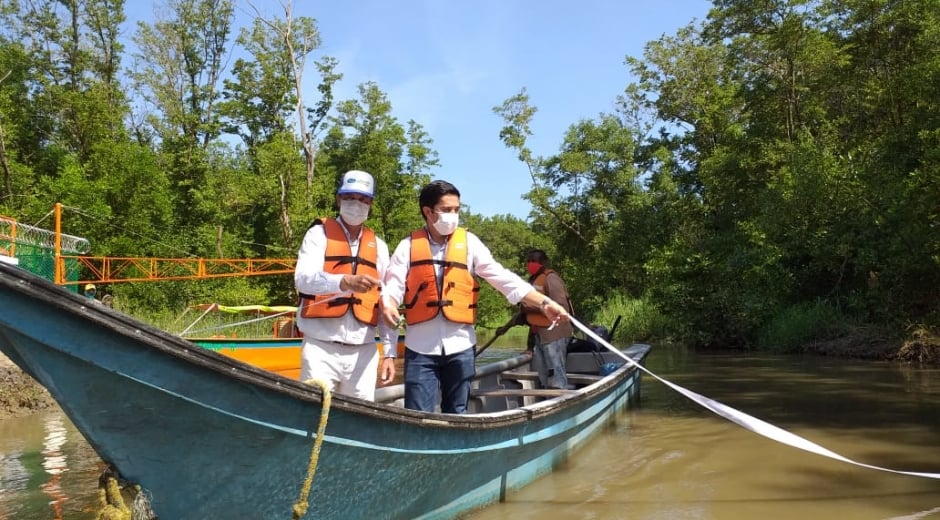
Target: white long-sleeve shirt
310,278
439,335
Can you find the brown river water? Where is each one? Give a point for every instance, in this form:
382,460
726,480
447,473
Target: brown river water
669,458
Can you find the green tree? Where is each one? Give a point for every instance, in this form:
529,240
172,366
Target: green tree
70,92
790,131
366,136
259,101
180,64
509,239
590,199
16,178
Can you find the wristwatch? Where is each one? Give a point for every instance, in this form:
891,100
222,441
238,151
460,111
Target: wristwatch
545,302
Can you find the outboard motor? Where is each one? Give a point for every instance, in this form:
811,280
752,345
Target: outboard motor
605,368
601,331
589,344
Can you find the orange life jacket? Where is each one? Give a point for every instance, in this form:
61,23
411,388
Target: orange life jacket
338,259
455,293
536,318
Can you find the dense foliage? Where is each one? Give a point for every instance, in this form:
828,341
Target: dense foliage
163,151
779,156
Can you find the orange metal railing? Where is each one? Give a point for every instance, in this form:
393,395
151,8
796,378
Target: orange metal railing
109,269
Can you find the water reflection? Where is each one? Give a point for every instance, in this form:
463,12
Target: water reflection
47,469
13,481
54,462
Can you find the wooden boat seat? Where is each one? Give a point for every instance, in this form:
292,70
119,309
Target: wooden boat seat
519,392
577,379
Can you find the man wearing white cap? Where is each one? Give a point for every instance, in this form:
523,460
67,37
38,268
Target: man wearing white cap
338,273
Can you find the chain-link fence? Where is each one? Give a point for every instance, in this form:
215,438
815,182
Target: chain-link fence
34,249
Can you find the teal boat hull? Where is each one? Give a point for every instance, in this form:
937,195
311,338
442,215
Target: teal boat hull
207,436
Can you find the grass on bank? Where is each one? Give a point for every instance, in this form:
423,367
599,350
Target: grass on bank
640,320
820,327
794,327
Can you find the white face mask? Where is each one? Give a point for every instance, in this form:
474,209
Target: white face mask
353,212
446,223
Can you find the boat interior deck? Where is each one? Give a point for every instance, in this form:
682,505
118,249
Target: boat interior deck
518,385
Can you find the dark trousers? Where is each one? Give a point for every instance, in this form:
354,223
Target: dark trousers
447,375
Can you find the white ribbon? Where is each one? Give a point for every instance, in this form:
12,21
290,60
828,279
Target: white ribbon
747,421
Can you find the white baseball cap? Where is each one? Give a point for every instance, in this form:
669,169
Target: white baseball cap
356,181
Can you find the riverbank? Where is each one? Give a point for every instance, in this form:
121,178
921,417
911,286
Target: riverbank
921,346
857,344
20,394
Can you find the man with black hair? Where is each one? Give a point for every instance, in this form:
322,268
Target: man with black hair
434,273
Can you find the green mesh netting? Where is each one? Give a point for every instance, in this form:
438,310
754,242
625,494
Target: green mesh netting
34,249
42,262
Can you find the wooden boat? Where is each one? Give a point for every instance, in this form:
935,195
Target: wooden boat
278,353
207,436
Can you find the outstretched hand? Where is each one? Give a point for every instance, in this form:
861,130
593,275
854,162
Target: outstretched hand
556,312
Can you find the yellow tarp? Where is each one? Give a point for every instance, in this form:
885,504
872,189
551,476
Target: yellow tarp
247,309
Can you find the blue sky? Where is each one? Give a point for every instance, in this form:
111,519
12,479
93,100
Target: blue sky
447,63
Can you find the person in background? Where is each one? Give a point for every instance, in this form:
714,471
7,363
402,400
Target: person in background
550,350
90,291
433,272
338,275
